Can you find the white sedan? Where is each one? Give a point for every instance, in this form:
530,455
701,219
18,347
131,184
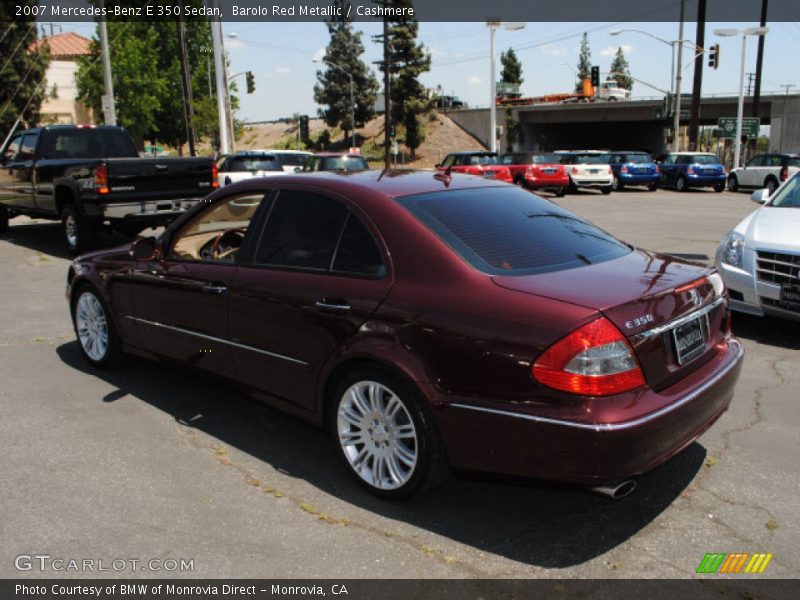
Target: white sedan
244,165
760,259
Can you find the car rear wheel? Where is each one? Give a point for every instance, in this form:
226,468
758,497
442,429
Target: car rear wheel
4,217
720,187
561,192
771,184
607,189
78,232
94,328
733,183
385,434
652,186
617,185
680,184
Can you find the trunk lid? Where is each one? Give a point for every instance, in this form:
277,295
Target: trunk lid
647,298
158,178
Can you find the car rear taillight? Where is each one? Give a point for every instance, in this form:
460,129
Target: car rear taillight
624,169
101,179
594,360
658,169
784,174
214,176
574,170
529,174
691,285
690,170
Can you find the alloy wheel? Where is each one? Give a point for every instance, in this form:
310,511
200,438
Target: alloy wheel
91,325
377,435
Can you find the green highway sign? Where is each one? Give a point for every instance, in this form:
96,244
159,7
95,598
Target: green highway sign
750,127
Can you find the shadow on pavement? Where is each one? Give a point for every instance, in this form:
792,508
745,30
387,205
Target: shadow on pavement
532,523
45,237
767,330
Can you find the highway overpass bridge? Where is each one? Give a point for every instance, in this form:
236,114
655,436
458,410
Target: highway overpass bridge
628,125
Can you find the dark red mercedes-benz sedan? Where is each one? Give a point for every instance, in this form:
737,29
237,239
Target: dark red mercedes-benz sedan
430,321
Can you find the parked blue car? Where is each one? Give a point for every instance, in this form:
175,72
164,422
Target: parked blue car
684,170
633,168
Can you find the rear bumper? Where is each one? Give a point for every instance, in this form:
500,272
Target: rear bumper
598,182
152,211
505,440
636,179
704,181
541,183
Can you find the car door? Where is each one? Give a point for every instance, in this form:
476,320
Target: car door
665,165
16,181
749,175
317,275
8,189
180,302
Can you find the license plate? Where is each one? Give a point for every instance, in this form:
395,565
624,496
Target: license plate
594,171
488,174
548,171
790,294
690,340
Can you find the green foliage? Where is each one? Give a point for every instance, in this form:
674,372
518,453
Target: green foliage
513,130
147,78
584,63
333,84
408,60
621,71
24,85
512,68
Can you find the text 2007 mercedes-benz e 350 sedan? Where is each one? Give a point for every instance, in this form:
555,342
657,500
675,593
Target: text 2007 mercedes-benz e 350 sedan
430,321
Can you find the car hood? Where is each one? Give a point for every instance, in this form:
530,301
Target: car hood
775,228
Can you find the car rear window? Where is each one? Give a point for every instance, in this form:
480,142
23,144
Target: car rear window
265,162
545,159
88,143
639,158
793,161
705,159
344,163
508,231
289,159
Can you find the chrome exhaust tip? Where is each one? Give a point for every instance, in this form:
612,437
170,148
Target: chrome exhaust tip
616,491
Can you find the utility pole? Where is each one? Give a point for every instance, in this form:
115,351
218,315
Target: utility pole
222,84
109,109
188,104
697,88
760,59
750,78
676,120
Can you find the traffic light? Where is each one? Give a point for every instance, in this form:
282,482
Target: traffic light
304,128
391,131
251,82
595,76
713,56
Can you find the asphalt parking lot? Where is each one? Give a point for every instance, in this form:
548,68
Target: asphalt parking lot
147,462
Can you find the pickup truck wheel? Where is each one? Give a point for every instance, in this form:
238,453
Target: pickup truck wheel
78,232
94,328
3,219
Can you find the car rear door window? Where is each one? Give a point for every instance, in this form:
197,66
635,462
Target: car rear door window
302,231
508,231
357,253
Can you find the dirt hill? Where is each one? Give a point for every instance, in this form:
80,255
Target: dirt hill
442,136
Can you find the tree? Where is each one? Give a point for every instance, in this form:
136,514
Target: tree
584,63
343,57
620,70
408,60
512,68
147,78
23,64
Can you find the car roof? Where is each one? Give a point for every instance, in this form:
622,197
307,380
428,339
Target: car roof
387,183
685,153
472,153
244,153
276,150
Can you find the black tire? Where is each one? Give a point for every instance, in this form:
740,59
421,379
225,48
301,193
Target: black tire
733,183
430,467
77,231
652,186
4,218
572,188
617,184
561,192
111,356
681,184
607,189
771,184
720,187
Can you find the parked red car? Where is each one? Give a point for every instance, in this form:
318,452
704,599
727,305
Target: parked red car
483,164
428,321
537,171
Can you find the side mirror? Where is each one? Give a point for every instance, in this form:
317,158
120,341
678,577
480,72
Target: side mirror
298,169
437,165
760,196
148,248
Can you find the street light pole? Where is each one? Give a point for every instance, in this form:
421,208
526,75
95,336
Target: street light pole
493,25
109,109
676,119
216,39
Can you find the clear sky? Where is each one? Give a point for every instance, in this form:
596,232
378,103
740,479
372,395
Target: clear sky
280,56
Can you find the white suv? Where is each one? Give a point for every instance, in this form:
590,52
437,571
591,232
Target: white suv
764,171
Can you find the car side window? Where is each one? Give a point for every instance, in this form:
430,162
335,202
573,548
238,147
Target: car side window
12,150
357,252
302,231
28,146
775,161
217,233
756,161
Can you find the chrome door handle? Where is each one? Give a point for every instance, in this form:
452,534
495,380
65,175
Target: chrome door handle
215,289
342,307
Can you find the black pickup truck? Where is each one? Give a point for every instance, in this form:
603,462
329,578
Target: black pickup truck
88,176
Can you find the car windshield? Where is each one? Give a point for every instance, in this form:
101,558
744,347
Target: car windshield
705,159
344,163
290,159
254,163
508,231
789,195
638,158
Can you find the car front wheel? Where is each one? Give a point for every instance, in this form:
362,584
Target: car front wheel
99,342
385,434
4,217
